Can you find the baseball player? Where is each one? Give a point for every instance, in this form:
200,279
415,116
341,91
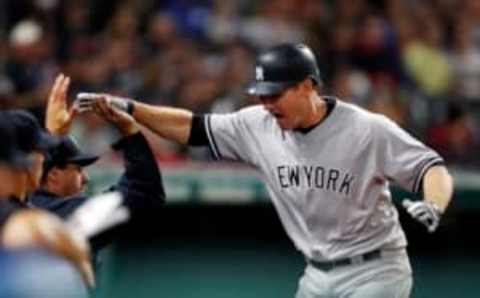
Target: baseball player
327,165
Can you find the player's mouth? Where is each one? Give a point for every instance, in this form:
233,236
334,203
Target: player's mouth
277,115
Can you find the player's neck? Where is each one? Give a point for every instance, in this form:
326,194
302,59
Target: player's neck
316,112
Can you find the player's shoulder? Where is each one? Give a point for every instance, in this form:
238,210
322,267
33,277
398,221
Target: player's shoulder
252,111
254,115
355,112
364,113
371,123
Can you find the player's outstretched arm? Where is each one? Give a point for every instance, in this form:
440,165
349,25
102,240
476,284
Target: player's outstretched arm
170,123
173,124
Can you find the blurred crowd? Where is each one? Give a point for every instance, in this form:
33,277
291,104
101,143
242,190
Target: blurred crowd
416,61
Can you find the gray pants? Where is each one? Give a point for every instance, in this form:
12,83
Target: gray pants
389,276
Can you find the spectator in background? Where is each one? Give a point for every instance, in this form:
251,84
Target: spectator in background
352,86
275,22
339,50
30,64
376,51
455,138
237,65
74,39
465,61
423,54
349,11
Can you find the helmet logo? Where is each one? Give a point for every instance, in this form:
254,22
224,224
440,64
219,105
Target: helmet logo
259,73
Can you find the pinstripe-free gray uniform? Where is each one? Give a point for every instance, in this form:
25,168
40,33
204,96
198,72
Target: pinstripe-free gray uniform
330,186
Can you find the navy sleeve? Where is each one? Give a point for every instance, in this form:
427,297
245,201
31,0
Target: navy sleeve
141,184
198,133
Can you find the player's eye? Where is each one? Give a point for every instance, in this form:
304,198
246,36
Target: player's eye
265,99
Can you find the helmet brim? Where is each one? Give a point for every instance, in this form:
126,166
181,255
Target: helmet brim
268,88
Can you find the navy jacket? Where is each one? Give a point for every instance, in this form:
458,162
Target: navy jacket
141,186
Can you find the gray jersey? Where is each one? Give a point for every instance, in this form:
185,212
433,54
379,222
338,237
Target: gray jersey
330,186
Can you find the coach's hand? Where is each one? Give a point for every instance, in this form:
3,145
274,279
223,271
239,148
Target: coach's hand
87,101
425,212
59,116
123,121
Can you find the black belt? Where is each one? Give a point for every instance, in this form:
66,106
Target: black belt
359,259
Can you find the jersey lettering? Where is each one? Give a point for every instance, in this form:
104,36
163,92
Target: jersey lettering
315,177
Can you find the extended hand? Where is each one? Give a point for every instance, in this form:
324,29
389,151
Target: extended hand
425,212
86,101
58,116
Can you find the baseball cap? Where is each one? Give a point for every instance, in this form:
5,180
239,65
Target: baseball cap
281,67
9,151
66,152
30,135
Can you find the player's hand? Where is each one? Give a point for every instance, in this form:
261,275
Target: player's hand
425,212
59,116
123,121
86,101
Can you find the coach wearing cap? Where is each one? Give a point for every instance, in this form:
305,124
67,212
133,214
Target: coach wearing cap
64,175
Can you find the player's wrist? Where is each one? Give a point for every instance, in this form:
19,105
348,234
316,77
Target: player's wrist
130,106
435,207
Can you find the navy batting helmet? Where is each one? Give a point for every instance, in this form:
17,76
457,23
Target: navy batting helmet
281,67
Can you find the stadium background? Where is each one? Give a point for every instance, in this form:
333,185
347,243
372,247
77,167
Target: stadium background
416,61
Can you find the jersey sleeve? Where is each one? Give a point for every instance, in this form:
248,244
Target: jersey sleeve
228,137
403,158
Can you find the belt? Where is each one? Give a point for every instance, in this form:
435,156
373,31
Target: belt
355,260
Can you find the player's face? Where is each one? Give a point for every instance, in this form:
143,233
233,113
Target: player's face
285,107
71,180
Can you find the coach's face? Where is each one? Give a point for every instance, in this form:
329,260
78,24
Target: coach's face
71,180
289,107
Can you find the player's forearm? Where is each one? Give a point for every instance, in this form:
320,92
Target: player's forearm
438,186
174,124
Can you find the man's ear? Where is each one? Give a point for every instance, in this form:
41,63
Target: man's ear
306,84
